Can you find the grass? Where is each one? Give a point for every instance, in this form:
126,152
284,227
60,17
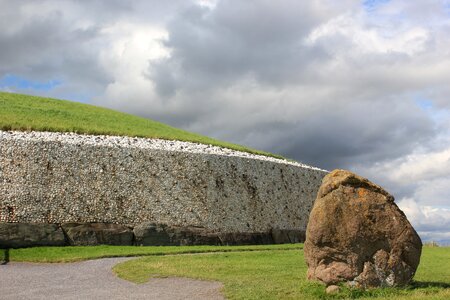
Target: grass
247,272
281,274
26,113
79,253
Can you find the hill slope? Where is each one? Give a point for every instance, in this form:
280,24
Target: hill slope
26,113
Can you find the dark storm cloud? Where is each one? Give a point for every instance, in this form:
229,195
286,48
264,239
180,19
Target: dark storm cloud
362,134
215,50
216,47
338,136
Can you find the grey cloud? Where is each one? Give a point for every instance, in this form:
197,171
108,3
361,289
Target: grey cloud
49,48
360,133
213,48
62,40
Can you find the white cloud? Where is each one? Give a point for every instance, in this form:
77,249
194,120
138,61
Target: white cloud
421,181
421,166
207,3
365,39
424,176
130,48
432,223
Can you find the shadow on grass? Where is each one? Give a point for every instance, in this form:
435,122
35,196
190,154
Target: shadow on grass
429,284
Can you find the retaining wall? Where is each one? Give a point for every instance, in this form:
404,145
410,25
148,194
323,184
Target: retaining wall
53,181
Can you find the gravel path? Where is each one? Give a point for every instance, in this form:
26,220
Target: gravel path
94,280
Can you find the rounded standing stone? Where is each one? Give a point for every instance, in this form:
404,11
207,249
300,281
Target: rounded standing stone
357,234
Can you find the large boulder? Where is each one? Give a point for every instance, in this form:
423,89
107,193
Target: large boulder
89,234
357,234
17,235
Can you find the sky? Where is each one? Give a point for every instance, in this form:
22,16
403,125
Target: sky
358,85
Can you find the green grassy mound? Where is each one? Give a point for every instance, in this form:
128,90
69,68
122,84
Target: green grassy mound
26,113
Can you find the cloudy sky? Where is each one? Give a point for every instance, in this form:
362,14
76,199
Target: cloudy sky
360,85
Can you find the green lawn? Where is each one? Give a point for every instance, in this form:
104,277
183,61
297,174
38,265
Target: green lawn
247,272
78,253
25,113
281,274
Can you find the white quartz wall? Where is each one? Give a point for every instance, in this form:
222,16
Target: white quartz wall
60,178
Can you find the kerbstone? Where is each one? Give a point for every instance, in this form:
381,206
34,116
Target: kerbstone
18,235
90,234
151,234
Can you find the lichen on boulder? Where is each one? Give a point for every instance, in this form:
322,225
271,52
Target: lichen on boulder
358,235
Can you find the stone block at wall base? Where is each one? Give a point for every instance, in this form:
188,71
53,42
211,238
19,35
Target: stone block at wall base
20,235
190,236
89,234
17,235
246,238
287,236
151,234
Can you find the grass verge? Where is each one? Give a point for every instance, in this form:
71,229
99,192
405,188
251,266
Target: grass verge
79,253
26,113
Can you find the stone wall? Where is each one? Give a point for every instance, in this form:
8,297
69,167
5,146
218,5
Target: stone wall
19,235
57,181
